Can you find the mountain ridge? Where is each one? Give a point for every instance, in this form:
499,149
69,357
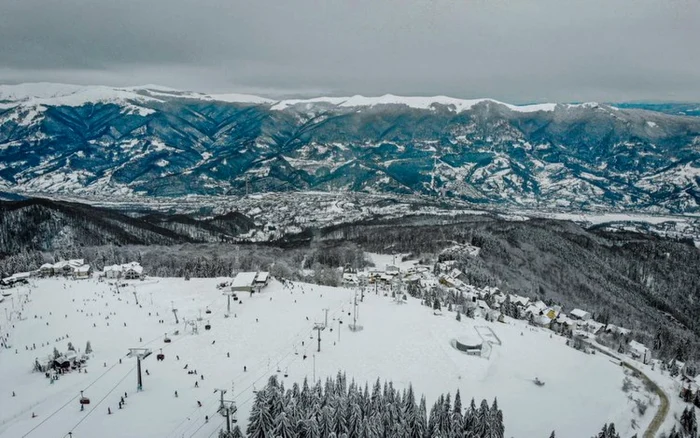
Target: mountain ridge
135,142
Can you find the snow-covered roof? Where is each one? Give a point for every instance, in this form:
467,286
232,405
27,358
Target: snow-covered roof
244,279
46,266
620,330
578,313
517,299
133,266
593,325
563,319
540,304
84,268
114,268
470,340
482,304
532,309
637,347
542,320
262,276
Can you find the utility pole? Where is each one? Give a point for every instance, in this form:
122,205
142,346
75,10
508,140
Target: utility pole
354,311
314,368
325,324
139,354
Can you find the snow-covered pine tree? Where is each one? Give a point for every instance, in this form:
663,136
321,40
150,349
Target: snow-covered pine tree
497,427
284,427
70,346
459,316
481,421
88,348
446,415
420,423
325,421
236,432
313,430
56,353
457,419
355,421
260,424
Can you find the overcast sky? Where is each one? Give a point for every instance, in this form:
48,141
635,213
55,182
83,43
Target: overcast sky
514,50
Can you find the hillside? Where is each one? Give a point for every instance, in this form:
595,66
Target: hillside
100,141
46,225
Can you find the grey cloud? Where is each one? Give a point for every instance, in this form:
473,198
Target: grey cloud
513,50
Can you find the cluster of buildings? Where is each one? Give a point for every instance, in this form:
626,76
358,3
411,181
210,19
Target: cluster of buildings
126,271
76,268
491,303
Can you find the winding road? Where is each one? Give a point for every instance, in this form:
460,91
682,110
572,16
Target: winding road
661,413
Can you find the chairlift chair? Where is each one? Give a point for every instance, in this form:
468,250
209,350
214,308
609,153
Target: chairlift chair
207,326
166,339
84,400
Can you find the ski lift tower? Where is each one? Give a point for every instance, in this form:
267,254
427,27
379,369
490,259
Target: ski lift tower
139,354
195,327
229,411
228,294
354,326
177,321
397,287
318,327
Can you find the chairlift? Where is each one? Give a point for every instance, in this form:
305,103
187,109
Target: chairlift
286,374
160,356
166,339
207,326
84,400
208,311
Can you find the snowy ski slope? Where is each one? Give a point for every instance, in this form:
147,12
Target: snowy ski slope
270,331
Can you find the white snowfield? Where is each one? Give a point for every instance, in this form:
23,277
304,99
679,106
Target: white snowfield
269,332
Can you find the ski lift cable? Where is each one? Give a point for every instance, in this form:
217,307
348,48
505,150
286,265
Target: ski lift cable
216,429
101,400
69,401
301,333
281,359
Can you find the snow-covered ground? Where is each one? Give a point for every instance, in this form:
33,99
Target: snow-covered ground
270,331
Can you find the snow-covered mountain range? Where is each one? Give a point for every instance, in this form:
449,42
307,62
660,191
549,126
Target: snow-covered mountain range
151,141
